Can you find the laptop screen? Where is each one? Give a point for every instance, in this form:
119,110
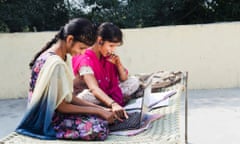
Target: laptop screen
139,104
146,94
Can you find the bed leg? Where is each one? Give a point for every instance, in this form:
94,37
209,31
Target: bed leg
186,106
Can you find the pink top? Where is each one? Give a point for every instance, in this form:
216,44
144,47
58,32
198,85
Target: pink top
105,73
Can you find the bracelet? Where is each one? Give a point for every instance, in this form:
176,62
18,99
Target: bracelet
112,103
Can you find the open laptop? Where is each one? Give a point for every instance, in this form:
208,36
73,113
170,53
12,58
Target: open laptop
136,116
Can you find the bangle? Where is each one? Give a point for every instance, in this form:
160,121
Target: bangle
112,103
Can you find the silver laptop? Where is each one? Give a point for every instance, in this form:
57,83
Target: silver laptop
135,115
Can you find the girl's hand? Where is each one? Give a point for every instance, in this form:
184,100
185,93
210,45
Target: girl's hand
115,59
119,112
108,115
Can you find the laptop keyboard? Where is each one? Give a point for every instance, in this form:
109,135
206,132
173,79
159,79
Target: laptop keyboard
133,122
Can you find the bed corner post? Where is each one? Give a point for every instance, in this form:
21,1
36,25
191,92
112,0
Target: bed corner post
186,106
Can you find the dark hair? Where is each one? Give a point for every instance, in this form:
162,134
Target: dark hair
80,28
110,32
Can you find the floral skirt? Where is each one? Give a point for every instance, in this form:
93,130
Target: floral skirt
82,127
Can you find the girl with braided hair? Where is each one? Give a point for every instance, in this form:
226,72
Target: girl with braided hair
52,111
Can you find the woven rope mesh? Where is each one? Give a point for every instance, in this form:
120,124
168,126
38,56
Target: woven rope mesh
166,130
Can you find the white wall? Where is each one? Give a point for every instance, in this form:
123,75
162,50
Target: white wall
17,49
210,53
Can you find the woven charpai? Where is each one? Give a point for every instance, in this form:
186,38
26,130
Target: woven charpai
166,130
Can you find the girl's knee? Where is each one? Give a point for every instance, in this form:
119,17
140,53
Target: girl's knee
130,86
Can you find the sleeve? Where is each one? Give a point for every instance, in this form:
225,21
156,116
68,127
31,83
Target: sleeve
85,70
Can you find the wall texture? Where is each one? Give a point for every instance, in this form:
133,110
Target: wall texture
210,53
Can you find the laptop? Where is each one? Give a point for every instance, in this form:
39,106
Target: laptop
136,115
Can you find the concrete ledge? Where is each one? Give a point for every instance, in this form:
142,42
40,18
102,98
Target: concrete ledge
210,53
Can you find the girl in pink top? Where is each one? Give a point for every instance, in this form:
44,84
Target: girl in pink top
101,71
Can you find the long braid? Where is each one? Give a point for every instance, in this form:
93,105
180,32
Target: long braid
81,29
58,36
